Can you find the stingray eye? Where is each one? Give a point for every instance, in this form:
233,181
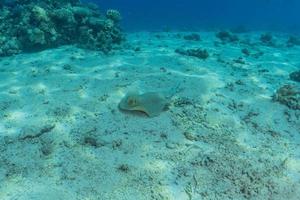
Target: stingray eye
131,102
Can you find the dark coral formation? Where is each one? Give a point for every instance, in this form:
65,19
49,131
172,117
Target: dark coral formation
293,41
239,60
267,39
295,76
288,95
198,53
246,51
192,37
33,25
226,36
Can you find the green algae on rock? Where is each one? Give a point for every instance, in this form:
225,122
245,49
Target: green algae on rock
34,25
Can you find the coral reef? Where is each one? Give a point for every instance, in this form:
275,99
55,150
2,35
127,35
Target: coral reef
198,53
33,25
288,95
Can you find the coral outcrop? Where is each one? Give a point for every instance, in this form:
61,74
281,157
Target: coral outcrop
267,39
33,25
198,53
293,41
226,36
288,95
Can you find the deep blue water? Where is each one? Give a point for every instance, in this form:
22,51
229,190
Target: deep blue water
198,14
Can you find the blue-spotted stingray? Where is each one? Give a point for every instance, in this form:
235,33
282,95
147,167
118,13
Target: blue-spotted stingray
150,103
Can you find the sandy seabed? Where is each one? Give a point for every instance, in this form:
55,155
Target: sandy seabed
63,137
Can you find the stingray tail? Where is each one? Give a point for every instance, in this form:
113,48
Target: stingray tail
174,90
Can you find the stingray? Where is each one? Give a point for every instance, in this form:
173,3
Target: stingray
150,103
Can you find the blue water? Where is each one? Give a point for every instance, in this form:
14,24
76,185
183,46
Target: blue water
197,14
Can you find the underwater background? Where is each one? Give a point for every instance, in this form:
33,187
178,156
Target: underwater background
199,14
149,100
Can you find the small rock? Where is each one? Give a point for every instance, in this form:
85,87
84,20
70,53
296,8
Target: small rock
190,136
246,52
123,168
183,101
90,141
192,37
47,149
164,136
47,128
239,61
295,76
198,53
239,82
116,144
67,67
170,145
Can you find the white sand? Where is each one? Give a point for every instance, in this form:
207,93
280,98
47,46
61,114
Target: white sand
62,135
